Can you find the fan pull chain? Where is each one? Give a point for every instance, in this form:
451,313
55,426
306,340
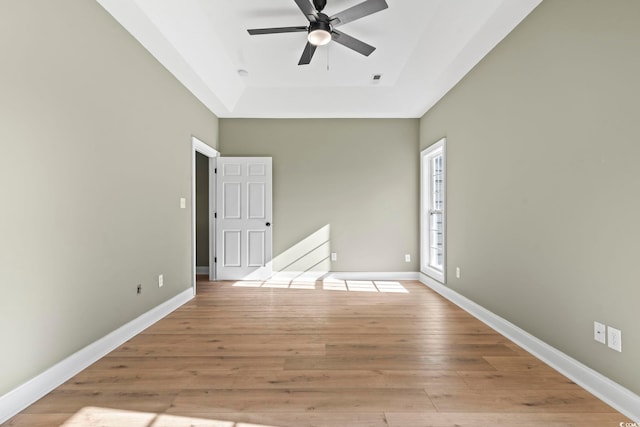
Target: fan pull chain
328,52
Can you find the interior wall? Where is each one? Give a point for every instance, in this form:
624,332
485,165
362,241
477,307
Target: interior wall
542,173
358,177
202,210
95,155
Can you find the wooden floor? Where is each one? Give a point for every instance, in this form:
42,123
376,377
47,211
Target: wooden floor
328,354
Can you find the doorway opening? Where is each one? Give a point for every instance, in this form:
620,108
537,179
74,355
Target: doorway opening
202,214
202,237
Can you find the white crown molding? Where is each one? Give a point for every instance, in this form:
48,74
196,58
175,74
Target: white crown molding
24,395
594,382
185,40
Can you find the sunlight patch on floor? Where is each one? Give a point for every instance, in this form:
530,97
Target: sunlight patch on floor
302,285
391,287
334,286
361,286
94,416
247,284
381,286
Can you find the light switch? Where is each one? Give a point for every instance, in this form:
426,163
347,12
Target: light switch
599,332
183,203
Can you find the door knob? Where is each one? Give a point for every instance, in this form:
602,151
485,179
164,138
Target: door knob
268,224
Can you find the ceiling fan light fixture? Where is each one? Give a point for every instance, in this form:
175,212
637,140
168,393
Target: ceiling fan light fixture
319,33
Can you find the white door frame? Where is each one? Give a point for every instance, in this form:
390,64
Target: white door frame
202,148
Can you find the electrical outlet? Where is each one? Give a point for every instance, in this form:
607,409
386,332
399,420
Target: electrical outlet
334,256
457,272
407,258
599,332
160,281
139,289
614,336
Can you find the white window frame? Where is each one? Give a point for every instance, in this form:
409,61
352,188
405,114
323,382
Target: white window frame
438,148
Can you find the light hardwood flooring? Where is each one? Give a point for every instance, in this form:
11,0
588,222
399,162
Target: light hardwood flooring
255,354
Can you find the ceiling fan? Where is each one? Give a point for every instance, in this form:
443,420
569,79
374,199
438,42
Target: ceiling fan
322,28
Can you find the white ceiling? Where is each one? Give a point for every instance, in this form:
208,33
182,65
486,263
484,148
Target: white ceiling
424,47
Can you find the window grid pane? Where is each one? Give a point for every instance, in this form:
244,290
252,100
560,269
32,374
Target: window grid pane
436,253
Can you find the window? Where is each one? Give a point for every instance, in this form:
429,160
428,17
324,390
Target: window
433,218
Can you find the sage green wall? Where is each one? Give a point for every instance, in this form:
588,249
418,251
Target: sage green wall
543,208
358,176
95,154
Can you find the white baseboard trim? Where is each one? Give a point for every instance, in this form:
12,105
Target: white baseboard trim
369,275
202,270
24,395
612,393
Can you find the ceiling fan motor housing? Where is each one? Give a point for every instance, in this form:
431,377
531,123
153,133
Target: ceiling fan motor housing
320,25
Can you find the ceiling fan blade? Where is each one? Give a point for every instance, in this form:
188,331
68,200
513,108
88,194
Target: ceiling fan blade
259,31
307,54
307,9
352,43
358,11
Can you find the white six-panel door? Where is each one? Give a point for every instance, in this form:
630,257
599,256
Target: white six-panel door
243,225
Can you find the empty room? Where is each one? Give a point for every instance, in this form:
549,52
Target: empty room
319,213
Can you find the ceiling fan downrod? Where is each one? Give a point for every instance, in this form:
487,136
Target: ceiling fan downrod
319,4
